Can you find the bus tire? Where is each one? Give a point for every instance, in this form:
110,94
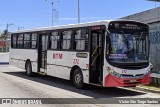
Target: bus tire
78,79
29,69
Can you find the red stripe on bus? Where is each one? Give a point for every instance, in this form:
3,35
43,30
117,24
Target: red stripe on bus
111,81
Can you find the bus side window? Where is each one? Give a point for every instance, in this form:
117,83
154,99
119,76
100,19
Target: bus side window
20,41
81,39
66,42
14,41
54,40
34,41
27,40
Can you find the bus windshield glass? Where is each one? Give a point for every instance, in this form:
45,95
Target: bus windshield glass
128,47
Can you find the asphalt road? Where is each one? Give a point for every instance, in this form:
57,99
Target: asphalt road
15,84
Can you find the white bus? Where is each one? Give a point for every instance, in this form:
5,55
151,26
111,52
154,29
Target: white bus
103,53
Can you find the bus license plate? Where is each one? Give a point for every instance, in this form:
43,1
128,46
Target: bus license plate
133,80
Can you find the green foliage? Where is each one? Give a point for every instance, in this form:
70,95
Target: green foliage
4,34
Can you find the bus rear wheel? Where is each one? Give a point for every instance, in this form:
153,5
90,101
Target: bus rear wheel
29,69
78,79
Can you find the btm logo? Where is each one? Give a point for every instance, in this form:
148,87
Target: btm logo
57,56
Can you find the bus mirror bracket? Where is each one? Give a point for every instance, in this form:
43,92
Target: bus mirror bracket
108,32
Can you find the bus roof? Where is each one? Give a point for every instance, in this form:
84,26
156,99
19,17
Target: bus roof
102,22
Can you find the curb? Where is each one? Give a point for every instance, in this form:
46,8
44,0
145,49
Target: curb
145,89
4,63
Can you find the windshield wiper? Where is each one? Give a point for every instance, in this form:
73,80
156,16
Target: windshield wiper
140,38
130,50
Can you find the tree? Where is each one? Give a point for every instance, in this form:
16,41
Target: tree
4,36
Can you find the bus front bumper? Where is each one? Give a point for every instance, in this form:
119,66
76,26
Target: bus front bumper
111,81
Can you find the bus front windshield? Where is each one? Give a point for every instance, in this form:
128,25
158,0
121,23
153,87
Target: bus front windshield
128,48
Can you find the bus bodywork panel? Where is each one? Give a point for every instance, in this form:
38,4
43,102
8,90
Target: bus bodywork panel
111,81
128,77
18,58
60,63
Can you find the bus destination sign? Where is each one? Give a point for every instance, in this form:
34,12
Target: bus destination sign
96,28
129,26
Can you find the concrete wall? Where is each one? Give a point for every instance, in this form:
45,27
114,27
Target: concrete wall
152,18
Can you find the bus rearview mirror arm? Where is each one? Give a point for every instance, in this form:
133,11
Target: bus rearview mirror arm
108,31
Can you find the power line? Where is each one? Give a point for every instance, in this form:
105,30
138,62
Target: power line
8,25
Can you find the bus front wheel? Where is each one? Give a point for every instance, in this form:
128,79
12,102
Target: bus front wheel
29,69
78,79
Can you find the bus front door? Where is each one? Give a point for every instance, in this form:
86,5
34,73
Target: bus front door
42,56
96,56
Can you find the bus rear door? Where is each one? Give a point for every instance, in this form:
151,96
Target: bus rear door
42,53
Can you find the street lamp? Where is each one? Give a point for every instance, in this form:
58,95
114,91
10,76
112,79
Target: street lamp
53,10
52,13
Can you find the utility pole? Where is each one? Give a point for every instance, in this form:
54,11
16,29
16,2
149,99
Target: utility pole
8,25
78,11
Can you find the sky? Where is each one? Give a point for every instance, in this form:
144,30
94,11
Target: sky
28,14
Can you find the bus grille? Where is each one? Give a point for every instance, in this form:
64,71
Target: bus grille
129,81
131,76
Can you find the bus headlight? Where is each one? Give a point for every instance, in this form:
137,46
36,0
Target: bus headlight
151,67
147,72
114,73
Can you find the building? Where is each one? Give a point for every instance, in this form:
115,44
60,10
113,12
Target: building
152,18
